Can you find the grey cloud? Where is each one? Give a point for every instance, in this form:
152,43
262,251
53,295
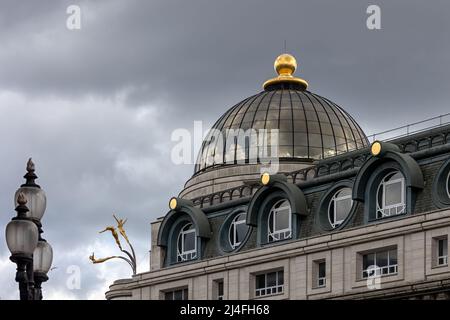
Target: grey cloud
74,100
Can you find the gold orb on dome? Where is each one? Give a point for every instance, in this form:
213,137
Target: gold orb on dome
285,64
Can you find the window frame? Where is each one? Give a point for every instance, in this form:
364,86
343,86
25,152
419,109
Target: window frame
190,254
334,199
220,293
286,232
274,290
381,210
233,230
184,294
321,281
378,271
444,256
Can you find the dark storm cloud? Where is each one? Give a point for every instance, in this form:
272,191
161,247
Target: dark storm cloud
96,107
199,53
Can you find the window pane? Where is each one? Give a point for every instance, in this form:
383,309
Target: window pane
189,241
344,192
368,260
260,281
382,259
185,294
280,277
442,247
168,295
180,244
282,220
271,279
178,295
241,231
322,269
393,193
231,234
343,208
220,288
331,212
271,222
315,140
393,257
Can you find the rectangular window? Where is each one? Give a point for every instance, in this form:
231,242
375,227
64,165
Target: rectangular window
321,274
441,247
178,294
218,289
269,283
380,263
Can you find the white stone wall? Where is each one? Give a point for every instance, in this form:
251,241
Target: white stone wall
413,237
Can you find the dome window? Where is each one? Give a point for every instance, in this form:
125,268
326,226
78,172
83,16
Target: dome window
187,243
391,195
280,221
238,231
340,206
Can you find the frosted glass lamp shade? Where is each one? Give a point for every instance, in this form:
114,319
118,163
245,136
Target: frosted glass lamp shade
21,237
42,257
36,201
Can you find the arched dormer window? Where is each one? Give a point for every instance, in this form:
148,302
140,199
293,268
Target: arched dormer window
276,209
388,183
183,232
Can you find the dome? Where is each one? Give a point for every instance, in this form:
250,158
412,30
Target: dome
308,127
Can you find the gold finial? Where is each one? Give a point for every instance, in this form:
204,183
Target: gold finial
285,65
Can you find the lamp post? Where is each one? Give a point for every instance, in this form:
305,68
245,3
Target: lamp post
32,254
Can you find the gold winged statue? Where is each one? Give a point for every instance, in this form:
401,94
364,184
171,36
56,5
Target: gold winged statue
130,258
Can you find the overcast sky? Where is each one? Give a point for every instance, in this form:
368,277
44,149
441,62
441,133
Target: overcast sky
95,107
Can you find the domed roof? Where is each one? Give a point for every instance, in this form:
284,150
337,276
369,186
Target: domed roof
310,127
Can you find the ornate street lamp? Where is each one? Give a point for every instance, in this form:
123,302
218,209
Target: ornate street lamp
32,254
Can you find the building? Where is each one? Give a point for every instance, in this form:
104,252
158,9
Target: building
341,218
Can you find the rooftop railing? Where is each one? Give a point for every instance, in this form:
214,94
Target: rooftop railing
411,128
